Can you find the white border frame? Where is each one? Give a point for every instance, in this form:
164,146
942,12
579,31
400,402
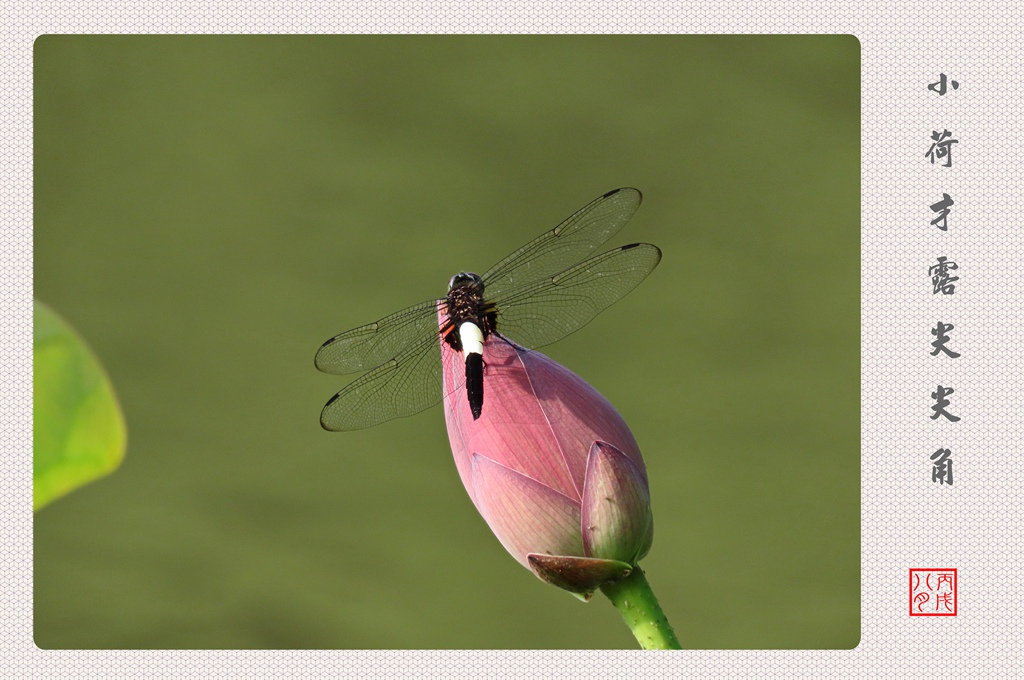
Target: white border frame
973,526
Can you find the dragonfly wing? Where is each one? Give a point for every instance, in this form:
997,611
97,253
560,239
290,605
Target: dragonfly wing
371,345
548,310
403,386
576,238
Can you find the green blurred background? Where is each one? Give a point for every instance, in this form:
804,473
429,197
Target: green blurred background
209,210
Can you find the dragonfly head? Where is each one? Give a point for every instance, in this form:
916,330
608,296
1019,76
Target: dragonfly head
463,279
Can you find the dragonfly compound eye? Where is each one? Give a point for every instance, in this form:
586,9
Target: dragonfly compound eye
464,279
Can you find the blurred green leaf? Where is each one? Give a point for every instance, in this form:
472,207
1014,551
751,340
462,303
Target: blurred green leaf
78,429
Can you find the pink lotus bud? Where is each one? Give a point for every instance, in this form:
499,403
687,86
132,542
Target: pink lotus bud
551,466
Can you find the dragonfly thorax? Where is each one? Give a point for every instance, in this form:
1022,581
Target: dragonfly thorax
466,304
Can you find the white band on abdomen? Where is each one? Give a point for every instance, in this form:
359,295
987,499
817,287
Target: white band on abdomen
471,337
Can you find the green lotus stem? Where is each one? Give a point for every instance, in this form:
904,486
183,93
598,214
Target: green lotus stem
635,600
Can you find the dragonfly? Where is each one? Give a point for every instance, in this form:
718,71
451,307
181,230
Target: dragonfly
540,293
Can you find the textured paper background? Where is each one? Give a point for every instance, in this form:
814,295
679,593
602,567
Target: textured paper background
973,526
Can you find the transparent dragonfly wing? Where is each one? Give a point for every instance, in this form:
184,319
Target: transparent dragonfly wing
545,311
575,239
401,386
369,346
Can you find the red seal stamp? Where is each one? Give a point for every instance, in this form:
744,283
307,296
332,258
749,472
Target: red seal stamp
933,592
